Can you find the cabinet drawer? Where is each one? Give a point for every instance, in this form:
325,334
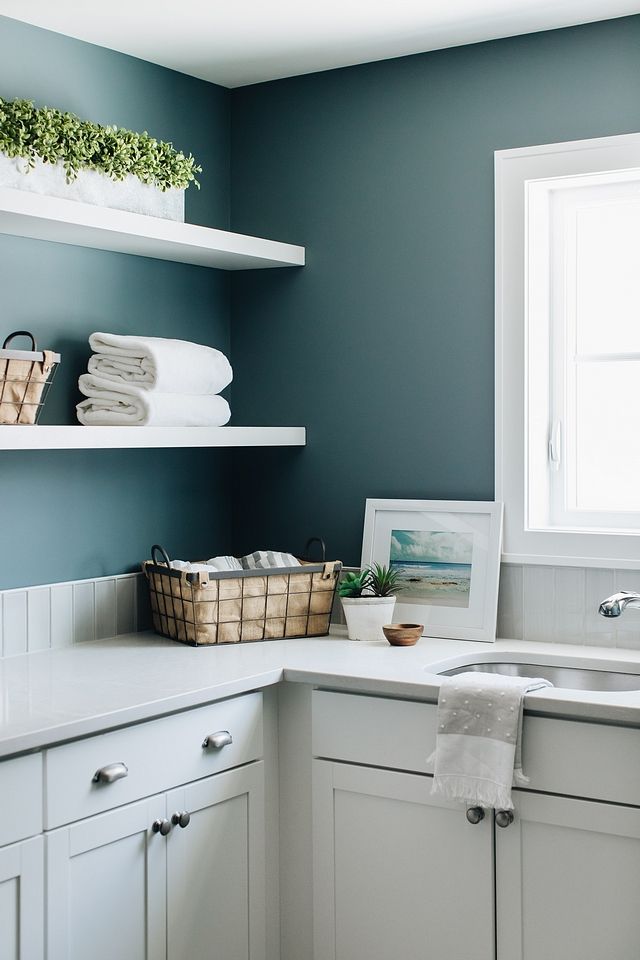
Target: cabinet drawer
20,798
568,757
399,734
590,760
158,755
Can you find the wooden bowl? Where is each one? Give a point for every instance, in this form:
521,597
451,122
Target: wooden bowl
403,634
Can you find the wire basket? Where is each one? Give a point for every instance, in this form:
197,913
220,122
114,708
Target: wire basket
25,379
238,606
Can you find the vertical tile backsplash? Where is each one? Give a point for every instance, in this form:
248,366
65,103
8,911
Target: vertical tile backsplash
538,603
560,605
14,622
38,619
61,595
58,615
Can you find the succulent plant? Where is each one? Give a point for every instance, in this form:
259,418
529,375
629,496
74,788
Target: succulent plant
353,584
383,581
372,581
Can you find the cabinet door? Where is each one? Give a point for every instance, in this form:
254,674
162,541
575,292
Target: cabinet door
397,872
106,880
22,901
568,881
216,868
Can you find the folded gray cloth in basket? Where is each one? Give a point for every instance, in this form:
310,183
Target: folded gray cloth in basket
265,559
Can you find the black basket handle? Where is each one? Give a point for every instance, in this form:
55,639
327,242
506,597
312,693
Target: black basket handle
21,333
323,548
156,548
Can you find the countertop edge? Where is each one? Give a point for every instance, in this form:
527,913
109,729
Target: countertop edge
56,696
77,729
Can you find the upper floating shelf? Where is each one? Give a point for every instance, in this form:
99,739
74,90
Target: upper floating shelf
24,214
119,438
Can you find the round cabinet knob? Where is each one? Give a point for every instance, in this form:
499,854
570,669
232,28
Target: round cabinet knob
163,827
504,818
475,814
181,819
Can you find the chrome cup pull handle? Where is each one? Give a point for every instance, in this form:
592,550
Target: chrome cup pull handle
111,773
217,740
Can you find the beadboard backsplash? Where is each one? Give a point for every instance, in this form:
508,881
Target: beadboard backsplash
61,614
539,603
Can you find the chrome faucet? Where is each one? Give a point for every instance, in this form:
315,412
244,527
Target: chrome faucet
616,604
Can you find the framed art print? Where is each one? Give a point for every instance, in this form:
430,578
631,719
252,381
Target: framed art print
447,555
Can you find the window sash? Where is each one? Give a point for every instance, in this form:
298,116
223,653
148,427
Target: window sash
566,362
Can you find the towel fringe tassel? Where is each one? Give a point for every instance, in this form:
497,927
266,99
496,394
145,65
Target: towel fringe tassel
481,794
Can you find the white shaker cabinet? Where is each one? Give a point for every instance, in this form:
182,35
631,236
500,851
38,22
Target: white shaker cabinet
21,859
216,868
175,875
568,880
134,883
397,872
21,915
106,878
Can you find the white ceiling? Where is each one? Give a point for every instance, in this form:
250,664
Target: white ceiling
237,42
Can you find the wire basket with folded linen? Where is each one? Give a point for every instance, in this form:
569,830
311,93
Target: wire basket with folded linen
266,595
152,381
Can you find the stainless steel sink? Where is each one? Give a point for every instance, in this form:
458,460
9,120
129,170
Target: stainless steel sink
571,678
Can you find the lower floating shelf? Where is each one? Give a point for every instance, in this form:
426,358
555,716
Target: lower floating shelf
111,438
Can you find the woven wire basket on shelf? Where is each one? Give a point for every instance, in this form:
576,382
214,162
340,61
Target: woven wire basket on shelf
25,379
239,606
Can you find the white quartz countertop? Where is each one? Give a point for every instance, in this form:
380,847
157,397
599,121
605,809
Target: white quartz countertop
59,695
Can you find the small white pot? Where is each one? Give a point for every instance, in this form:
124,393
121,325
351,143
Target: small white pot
90,186
366,616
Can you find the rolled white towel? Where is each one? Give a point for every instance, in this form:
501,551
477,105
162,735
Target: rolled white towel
153,363
128,405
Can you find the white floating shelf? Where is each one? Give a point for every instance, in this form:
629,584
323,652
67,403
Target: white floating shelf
95,438
24,214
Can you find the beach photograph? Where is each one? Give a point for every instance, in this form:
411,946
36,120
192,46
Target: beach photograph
434,566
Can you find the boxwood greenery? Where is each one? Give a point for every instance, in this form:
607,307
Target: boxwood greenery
29,132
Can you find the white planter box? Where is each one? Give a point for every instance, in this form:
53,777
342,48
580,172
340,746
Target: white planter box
92,187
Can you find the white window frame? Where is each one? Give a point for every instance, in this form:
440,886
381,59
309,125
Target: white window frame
522,291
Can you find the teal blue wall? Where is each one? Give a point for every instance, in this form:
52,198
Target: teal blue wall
383,344
66,515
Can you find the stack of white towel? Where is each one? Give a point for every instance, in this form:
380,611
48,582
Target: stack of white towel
149,381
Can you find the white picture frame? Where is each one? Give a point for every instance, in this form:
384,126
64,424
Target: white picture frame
448,553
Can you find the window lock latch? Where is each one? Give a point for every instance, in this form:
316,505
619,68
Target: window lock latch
555,444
